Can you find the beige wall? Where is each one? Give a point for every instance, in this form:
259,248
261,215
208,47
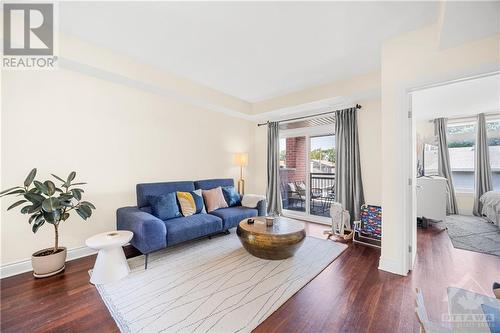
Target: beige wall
114,136
409,61
370,147
370,136
357,88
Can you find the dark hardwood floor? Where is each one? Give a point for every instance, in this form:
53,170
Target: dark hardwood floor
350,295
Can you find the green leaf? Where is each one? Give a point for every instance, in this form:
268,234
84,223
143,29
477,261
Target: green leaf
65,216
29,179
14,192
34,209
66,203
71,176
81,213
25,209
52,217
33,217
51,204
35,198
58,178
15,204
66,196
4,192
77,193
51,187
41,187
86,203
38,223
74,184
86,210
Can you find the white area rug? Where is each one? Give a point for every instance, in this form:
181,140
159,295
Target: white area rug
211,286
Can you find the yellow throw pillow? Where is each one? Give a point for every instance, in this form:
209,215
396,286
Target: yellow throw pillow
187,203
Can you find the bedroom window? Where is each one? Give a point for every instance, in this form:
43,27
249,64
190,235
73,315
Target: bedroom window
493,132
461,140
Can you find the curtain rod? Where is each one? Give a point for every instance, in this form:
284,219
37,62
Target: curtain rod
469,117
304,117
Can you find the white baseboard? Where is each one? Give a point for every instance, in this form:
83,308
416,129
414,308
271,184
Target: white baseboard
25,265
391,266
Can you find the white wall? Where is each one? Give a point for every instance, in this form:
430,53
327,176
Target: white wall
114,137
409,61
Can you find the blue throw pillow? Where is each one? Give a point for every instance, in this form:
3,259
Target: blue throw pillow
198,200
232,197
164,206
492,317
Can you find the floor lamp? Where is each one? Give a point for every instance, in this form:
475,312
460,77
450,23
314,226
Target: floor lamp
241,160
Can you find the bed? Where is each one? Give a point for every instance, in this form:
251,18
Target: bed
491,206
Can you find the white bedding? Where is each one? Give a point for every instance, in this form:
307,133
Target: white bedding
491,206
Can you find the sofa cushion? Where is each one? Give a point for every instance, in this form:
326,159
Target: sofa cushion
190,203
214,199
231,216
185,228
155,189
164,206
232,197
208,184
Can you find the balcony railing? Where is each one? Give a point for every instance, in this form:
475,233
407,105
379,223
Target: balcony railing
322,192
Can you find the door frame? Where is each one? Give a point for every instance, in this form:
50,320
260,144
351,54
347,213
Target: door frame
409,124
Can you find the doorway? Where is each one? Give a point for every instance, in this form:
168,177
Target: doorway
307,173
459,101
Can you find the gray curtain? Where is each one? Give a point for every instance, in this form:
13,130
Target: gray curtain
444,167
348,182
273,169
482,167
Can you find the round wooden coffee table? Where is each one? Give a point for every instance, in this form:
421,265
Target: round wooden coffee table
279,241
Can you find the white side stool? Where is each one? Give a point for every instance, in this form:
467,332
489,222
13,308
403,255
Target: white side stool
111,264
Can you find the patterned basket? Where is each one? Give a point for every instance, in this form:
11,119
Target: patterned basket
369,229
371,221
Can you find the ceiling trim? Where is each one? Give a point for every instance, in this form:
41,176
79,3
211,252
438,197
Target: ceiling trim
324,105
98,73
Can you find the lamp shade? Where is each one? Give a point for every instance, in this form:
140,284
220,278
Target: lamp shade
240,159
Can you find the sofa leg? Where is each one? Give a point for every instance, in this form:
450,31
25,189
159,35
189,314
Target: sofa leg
146,261
226,232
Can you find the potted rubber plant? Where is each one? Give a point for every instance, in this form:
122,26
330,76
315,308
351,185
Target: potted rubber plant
47,204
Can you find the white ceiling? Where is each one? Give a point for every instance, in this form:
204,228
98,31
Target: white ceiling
464,21
458,99
250,50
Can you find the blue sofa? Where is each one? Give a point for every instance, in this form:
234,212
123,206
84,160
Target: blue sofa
152,234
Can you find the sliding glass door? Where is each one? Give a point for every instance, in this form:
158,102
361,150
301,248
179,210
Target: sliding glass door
293,173
307,174
322,174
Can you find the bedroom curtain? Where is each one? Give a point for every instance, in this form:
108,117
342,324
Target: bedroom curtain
444,167
273,168
482,167
348,182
